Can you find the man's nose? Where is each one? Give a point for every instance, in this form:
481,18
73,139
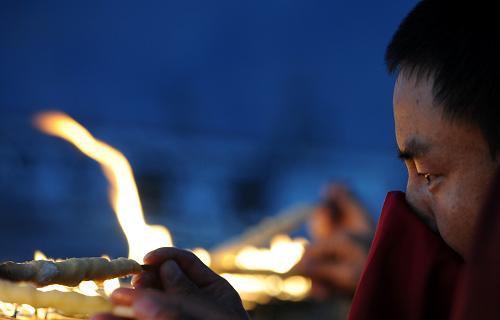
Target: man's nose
415,194
418,198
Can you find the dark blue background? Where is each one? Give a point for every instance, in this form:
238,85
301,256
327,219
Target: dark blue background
227,110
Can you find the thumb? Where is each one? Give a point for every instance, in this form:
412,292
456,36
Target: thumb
174,280
154,305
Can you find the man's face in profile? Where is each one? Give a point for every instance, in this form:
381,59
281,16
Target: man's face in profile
449,164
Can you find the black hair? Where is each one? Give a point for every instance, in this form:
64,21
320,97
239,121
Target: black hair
457,44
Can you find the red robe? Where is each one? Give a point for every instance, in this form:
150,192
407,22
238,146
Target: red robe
479,293
411,273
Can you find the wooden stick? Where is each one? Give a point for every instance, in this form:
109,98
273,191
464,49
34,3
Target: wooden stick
68,272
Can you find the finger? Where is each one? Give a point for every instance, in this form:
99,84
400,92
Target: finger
124,296
153,305
149,307
190,264
147,279
174,280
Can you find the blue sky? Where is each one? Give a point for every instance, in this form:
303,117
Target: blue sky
221,67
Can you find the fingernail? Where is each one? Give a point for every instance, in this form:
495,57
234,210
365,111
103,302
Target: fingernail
145,308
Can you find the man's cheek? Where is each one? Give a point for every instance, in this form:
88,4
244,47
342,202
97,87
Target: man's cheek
418,198
454,220
443,207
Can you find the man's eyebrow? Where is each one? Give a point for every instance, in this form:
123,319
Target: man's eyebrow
412,149
404,154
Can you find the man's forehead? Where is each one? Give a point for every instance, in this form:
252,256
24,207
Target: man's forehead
414,88
418,121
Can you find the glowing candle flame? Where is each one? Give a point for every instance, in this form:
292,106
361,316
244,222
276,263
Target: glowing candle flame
88,288
110,285
280,258
260,288
203,255
141,237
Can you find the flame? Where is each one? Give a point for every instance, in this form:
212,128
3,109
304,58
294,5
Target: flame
296,287
280,257
141,237
110,285
88,288
39,255
260,288
203,255
283,254
7,308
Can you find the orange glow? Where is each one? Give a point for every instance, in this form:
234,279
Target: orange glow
141,237
283,254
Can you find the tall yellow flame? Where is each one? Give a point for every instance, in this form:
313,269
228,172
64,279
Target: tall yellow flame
280,258
282,255
141,237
